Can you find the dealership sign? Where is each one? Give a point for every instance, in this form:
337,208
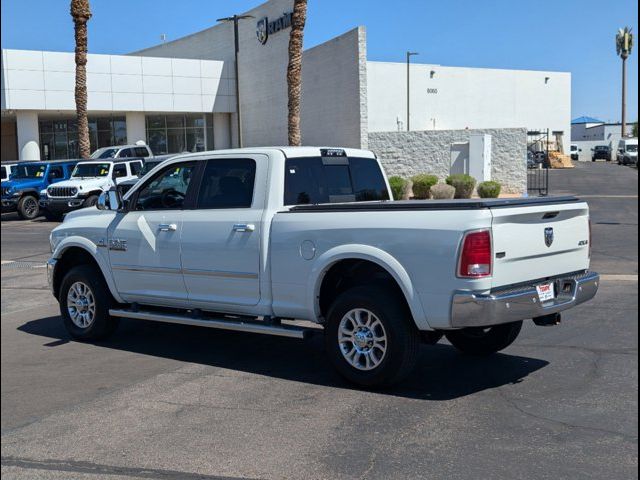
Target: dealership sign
267,28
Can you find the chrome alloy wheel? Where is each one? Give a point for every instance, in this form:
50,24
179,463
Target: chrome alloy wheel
362,339
81,305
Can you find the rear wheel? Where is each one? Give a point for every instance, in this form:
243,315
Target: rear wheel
28,208
85,301
370,337
484,341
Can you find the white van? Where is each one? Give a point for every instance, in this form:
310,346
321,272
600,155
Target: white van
628,151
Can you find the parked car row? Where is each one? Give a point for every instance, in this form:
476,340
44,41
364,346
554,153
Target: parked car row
54,188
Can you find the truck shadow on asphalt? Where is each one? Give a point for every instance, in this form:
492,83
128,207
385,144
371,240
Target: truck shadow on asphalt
441,373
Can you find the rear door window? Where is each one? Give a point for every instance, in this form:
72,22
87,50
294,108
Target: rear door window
136,167
314,181
141,152
119,170
227,183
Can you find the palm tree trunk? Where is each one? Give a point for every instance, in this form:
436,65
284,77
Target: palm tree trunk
294,70
81,13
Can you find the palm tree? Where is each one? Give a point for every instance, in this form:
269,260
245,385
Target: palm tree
294,70
81,13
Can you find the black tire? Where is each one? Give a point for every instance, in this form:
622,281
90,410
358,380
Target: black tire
403,338
28,208
91,201
53,216
102,324
484,341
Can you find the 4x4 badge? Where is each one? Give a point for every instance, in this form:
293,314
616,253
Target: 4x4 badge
118,245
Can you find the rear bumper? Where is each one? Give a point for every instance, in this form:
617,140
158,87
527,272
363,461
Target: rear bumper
521,303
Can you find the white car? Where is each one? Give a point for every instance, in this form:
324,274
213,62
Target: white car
140,150
249,239
88,180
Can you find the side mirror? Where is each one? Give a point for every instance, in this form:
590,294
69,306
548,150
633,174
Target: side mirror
110,200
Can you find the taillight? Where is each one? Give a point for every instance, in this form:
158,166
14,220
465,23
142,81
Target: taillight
476,256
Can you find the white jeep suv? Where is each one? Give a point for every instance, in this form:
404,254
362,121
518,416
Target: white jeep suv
88,180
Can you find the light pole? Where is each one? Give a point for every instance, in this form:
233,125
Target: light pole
624,45
236,19
409,55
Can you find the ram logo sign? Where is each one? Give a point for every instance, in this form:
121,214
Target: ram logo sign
549,236
265,28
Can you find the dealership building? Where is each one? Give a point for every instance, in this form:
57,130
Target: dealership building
181,95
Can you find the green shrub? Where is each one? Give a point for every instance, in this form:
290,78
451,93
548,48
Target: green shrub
463,183
398,187
442,192
422,185
489,189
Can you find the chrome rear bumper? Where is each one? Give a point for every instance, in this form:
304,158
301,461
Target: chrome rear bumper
521,303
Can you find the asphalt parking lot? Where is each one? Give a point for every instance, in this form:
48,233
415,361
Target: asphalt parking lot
173,402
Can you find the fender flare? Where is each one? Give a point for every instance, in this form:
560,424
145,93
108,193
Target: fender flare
92,249
324,262
34,192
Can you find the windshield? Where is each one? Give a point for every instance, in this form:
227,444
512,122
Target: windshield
29,171
632,148
84,170
106,152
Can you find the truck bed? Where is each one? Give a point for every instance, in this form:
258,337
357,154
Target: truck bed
473,204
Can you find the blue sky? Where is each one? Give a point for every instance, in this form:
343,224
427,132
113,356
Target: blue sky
566,35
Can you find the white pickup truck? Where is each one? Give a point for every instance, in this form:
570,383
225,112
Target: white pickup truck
252,239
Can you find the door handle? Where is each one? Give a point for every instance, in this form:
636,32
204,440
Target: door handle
244,228
167,227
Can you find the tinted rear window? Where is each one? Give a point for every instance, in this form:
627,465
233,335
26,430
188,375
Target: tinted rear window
313,181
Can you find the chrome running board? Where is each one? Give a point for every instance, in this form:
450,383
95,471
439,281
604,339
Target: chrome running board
288,331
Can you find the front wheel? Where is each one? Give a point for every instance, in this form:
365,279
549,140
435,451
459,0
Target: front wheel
370,337
91,201
85,300
28,208
484,341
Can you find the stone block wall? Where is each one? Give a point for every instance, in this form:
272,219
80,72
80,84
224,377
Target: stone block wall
409,153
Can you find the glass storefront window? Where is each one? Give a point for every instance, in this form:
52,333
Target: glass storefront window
157,141
167,134
175,137
59,138
156,122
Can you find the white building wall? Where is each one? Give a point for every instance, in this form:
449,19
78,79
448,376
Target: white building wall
332,111
45,81
475,98
263,86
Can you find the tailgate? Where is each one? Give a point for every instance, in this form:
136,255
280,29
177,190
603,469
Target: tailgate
535,242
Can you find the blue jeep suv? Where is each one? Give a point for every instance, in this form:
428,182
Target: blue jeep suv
21,192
